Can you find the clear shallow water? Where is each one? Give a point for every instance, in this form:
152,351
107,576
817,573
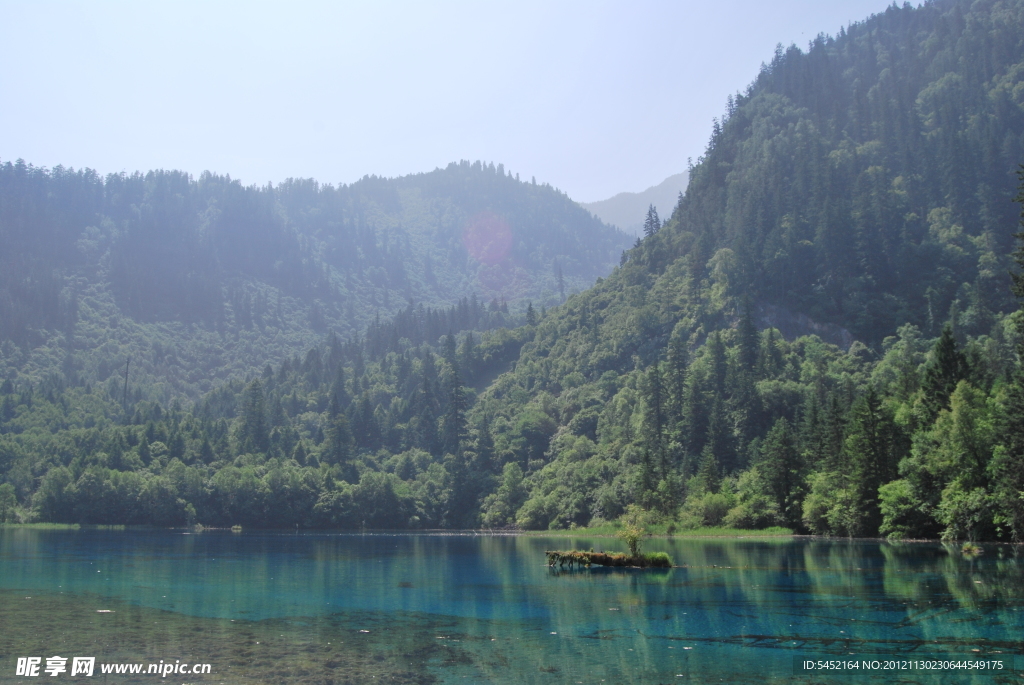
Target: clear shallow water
278,607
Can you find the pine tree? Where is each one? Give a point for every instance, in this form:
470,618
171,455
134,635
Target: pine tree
653,394
720,437
337,448
423,427
675,381
717,361
875,445
459,495
339,399
254,434
834,435
694,420
947,368
176,447
485,444
467,356
299,453
365,428
276,417
646,480
708,477
448,351
453,430
206,454
810,432
651,223
781,471
748,340
144,452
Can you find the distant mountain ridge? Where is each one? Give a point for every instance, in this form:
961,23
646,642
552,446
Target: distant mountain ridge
199,279
627,210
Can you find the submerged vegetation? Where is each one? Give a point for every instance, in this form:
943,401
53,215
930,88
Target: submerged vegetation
971,549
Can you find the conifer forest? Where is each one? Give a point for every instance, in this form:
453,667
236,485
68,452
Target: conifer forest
825,334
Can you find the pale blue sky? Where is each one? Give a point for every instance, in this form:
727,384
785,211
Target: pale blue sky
592,97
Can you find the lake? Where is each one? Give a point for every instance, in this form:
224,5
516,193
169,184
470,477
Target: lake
330,608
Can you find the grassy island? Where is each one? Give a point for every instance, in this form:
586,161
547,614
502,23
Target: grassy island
633,530
586,559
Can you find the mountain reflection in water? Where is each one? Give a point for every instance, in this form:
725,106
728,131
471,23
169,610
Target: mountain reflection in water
339,608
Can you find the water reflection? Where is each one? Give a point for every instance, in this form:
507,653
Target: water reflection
488,609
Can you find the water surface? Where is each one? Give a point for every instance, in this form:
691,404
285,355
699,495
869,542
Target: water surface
349,608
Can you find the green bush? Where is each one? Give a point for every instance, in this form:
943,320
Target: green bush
658,560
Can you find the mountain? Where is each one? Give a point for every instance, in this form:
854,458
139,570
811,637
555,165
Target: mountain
201,279
826,334
863,189
627,210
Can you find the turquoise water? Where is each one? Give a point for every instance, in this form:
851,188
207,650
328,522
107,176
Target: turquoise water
336,608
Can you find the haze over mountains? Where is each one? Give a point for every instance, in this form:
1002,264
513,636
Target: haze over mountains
864,186
201,278
627,210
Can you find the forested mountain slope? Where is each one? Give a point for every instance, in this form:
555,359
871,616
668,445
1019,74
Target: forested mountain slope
199,279
862,189
866,183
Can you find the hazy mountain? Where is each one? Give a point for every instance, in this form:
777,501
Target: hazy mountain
202,278
627,210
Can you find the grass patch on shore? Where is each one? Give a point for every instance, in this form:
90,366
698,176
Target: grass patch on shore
722,532
61,526
662,530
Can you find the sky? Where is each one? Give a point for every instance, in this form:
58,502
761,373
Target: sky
595,98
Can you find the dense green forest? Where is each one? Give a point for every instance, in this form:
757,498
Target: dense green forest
861,188
203,279
826,334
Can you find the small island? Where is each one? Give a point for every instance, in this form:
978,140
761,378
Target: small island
634,529
573,558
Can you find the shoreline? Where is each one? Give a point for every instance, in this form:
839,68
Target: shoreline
602,532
